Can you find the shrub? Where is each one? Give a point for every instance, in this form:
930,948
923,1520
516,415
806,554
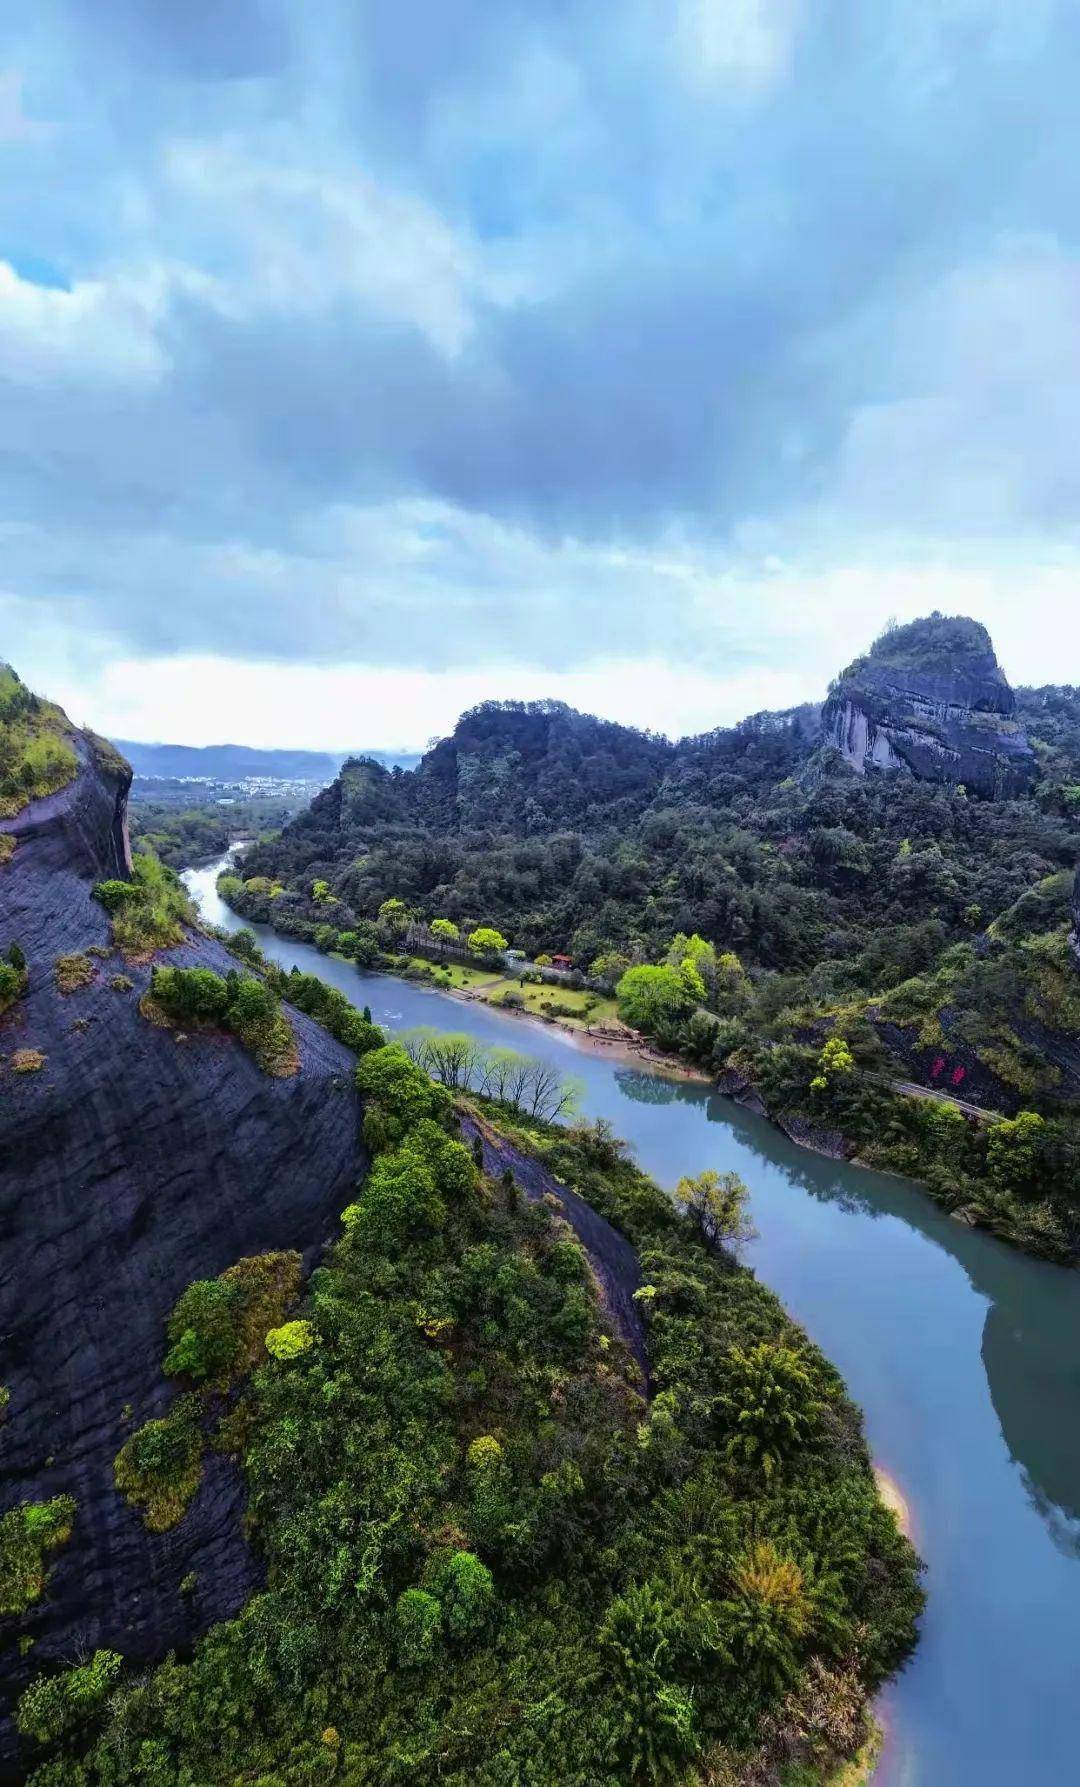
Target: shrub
27,1061
654,1730
771,1405
290,1340
193,995
418,1617
73,972
55,1705
255,1014
218,1328
466,1593
12,983
115,894
27,1534
121,983
246,1006
152,911
160,1467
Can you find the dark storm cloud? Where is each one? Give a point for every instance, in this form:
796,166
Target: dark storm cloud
662,283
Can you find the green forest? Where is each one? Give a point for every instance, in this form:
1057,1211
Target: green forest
496,1552
918,933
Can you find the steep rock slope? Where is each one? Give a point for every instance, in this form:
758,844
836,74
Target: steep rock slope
130,1164
930,700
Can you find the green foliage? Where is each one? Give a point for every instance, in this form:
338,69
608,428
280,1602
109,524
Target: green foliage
486,940
27,1534
291,1340
247,1006
835,1061
1015,1152
149,912
115,895
398,1094
160,1467
36,755
13,977
717,1203
55,1706
640,1639
766,1617
328,1007
770,1405
419,1628
465,1592
658,1000
218,1328
476,1570
191,995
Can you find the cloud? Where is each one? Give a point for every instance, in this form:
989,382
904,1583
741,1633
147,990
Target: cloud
740,43
95,332
433,335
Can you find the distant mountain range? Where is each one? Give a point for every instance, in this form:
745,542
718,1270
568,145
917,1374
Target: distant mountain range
234,762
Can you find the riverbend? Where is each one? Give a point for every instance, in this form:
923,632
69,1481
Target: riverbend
964,1354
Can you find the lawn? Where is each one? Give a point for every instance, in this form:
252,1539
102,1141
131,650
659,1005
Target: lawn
571,1005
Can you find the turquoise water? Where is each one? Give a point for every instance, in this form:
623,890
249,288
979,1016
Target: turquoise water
964,1355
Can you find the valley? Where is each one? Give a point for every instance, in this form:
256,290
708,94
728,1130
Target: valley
960,1350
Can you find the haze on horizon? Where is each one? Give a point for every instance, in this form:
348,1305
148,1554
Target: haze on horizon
360,363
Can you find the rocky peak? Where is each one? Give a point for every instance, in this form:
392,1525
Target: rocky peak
930,700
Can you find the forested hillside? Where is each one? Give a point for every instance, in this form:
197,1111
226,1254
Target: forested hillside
540,1483
898,873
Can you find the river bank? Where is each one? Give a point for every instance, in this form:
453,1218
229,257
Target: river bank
961,1352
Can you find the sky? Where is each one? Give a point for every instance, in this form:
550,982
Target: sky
361,361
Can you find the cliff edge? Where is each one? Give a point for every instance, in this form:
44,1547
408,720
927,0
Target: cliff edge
930,700
132,1161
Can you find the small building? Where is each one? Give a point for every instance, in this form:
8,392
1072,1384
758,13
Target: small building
563,962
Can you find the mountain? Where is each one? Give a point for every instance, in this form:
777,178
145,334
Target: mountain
930,700
416,1513
896,869
131,1163
239,762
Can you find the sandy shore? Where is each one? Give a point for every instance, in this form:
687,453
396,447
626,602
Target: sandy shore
895,1500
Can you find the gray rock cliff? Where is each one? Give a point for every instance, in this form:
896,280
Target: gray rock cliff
130,1165
930,700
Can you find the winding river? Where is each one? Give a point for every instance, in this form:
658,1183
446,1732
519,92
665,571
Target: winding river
964,1354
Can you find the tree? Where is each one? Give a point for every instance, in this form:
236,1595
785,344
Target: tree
639,1637
419,1627
485,940
466,1592
659,999
445,933
836,1061
771,1404
716,1203
1014,1153
54,1705
393,919
767,1617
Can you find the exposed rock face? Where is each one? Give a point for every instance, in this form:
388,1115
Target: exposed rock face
130,1165
931,701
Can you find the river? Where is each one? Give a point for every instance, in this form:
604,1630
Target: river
964,1354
